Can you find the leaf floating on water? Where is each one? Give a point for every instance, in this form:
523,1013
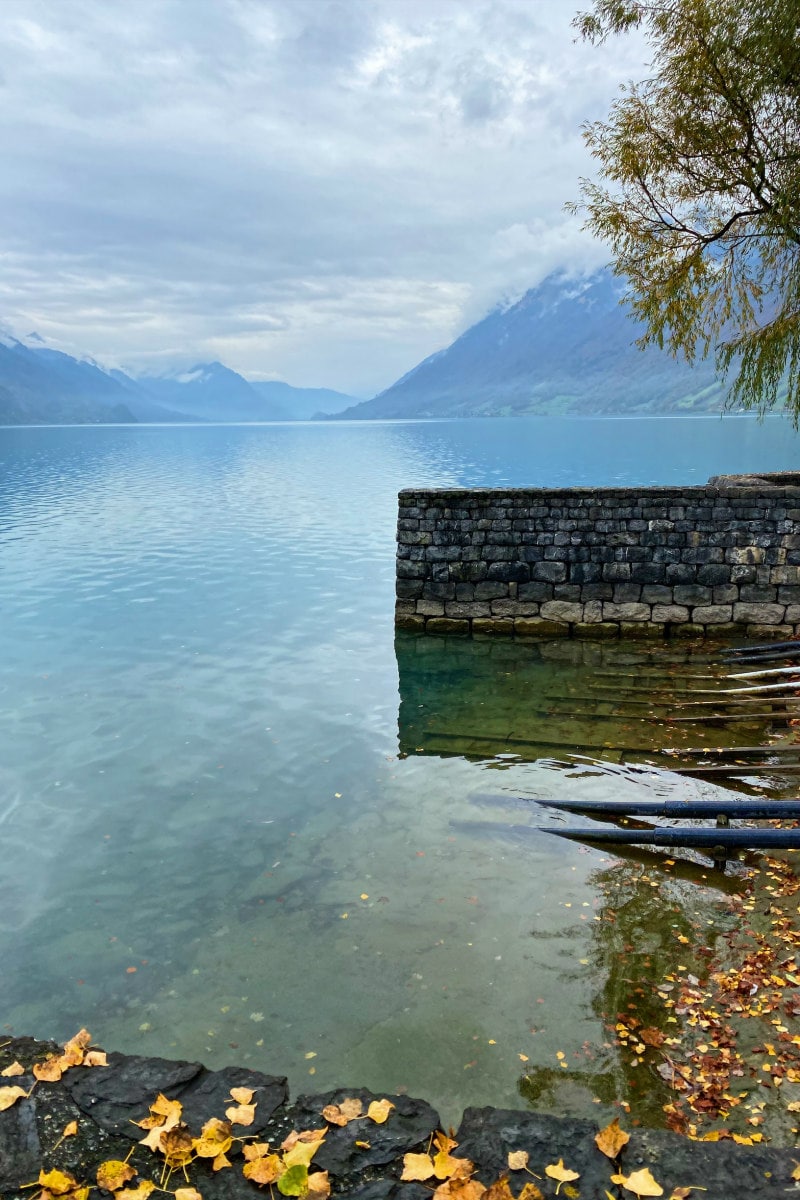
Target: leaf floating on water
641,1183
114,1174
561,1173
379,1110
10,1096
16,1068
517,1159
612,1139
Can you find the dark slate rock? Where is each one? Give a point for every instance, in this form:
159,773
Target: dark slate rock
727,1171
410,1124
207,1096
20,1148
122,1092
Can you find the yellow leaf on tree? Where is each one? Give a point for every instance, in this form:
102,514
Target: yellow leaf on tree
114,1174
561,1173
57,1183
302,1153
241,1114
187,1193
379,1110
612,1139
16,1068
641,1183
10,1095
263,1170
417,1166
342,1114
49,1071
319,1185
517,1159
216,1137
242,1095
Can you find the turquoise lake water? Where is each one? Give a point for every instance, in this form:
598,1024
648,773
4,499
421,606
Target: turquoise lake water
211,846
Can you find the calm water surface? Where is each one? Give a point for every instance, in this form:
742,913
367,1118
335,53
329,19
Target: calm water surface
211,845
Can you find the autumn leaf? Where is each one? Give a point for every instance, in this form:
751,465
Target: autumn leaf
70,1129
262,1170
796,1171
114,1174
221,1162
152,1139
342,1114
216,1137
177,1145
242,1095
241,1114
187,1193
164,1113
379,1110
445,1166
302,1153
517,1159
611,1140
499,1190
255,1150
459,1189
319,1186
305,1135
561,1173
443,1143
10,1095
95,1058
530,1192
49,1071
641,1183
58,1183
16,1068
140,1192
417,1167
294,1182
74,1050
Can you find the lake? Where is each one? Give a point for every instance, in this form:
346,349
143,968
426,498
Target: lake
218,844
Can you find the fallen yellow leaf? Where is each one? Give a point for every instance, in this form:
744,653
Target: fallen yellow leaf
417,1167
263,1170
612,1139
530,1192
561,1173
140,1192
114,1174
379,1110
187,1193
342,1114
95,1058
70,1129
641,1183
242,1095
517,1159
10,1095
57,1183
216,1137
15,1069
241,1114
302,1153
319,1185
49,1071
177,1146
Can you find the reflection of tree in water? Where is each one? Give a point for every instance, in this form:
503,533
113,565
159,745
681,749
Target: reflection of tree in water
648,906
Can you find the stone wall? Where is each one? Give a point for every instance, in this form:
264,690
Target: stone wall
596,562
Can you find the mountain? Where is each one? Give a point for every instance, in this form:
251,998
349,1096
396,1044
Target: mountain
211,392
565,348
44,387
302,404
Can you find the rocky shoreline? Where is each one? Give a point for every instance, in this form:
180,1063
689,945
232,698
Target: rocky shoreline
106,1101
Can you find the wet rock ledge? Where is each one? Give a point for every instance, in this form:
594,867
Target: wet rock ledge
105,1101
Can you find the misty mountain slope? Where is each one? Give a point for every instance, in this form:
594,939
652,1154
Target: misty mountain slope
211,392
565,347
302,404
45,387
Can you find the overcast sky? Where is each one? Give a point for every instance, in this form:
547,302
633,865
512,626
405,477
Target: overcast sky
322,191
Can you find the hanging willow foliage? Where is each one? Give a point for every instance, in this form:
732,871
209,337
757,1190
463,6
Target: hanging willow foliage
698,192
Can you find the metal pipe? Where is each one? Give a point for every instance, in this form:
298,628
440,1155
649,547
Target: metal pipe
764,809
754,839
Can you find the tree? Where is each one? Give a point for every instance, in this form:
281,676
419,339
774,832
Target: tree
699,185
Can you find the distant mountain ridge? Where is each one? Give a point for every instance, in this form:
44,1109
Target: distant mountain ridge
565,348
43,386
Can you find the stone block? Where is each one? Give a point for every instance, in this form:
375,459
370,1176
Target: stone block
585,572
491,589
745,555
769,631
430,608
784,575
409,621
627,593
625,612
758,614
549,572
410,537
617,572
498,553
751,593
509,572
595,631
656,593
714,574
561,610
743,574
792,616
644,630
438,591
648,573
593,612
468,572
681,573
726,594
670,614
538,627
493,626
514,608
447,625
408,589
712,614
690,630
691,593
568,591
466,611
535,591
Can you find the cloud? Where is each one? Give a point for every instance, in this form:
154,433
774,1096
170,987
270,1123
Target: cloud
320,190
